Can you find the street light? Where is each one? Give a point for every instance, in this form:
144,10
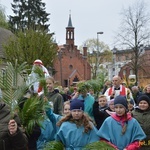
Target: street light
97,54
60,61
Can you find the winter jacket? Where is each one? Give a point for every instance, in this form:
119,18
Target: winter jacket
17,141
99,114
143,117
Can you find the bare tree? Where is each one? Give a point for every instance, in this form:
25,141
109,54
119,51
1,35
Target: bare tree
135,32
98,52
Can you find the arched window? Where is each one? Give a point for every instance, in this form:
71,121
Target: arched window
124,72
131,71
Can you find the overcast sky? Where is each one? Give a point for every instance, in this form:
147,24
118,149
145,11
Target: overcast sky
88,18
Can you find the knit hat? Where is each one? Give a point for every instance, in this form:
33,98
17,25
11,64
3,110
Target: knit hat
121,100
110,102
144,98
77,104
131,101
38,62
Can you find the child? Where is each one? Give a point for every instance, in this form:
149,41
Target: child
142,114
131,105
111,105
76,130
99,110
110,110
49,128
120,129
66,108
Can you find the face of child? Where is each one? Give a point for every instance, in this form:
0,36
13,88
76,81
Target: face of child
77,114
120,110
143,105
49,85
66,109
111,106
148,89
130,107
102,102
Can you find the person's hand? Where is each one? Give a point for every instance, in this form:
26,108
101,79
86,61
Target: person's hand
76,95
45,99
12,126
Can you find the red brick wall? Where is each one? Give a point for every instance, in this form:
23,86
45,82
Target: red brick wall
78,62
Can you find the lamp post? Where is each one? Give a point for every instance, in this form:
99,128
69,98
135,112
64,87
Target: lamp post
60,61
97,54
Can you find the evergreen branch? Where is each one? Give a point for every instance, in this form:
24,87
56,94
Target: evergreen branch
98,145
54,145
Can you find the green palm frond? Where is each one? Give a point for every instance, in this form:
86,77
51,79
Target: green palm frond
32,113
54,145
11,91
99,145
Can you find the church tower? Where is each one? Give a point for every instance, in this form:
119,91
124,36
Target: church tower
70,34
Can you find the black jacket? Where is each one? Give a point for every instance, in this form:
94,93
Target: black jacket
99,114
18,141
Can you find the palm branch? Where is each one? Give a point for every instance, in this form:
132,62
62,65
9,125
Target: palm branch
11,91
32,113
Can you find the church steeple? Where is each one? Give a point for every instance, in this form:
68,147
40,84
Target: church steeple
70,33
70,21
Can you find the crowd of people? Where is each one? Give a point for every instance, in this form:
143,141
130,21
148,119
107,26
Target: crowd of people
119,116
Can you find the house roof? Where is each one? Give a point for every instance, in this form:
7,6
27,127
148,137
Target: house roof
4,36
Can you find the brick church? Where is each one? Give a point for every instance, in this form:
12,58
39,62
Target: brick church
71,65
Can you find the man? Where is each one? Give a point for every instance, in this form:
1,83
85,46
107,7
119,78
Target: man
117,89
136,93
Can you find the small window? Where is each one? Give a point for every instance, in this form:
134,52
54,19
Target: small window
70,67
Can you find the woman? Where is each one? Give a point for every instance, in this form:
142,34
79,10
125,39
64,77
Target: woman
76,130
142,114
147,90
120,129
